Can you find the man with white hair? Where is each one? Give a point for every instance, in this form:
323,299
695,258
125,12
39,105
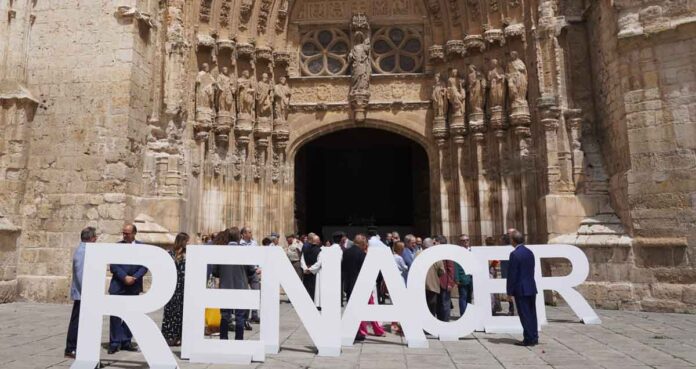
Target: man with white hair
409,249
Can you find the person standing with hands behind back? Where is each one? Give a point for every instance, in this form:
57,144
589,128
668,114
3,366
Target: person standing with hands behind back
522,287
127,280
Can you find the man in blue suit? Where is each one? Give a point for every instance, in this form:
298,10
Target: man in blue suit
522,287
126,279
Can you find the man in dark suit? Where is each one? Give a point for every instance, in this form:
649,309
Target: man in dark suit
522,287
233,277
352,262
126,279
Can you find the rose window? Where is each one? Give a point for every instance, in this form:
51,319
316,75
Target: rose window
324,53
397,50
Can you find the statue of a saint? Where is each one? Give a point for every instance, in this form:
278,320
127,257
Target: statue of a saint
205,94
517,80
359,58
264,98
439,97
496,81
227,91
245,96
455,94
476,85
282,96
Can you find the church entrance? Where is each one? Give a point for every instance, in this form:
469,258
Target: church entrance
360,177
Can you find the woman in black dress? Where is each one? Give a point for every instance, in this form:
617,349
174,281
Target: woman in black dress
174,310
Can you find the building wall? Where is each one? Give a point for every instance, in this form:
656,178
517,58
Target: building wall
89,68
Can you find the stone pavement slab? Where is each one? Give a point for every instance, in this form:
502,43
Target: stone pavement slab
33,336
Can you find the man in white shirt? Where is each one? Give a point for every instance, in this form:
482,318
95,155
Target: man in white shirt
374,240
317,267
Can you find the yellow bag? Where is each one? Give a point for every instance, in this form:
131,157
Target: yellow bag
212,320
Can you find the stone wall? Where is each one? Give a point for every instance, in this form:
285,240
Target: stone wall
89,68
646,122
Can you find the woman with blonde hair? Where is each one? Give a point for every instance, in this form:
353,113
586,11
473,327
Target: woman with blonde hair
174,310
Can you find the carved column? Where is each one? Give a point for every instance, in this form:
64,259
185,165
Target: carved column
440,134
574,122
485,216
458,132
527,178
550,114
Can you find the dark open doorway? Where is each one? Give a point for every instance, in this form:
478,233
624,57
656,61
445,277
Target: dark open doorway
358,177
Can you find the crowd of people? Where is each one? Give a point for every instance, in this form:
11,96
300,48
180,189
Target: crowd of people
444,279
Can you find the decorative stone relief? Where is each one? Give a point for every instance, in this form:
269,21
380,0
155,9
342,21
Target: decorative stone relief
225,9
226,104
436,53
456,96
474,42
455,48
517,86
439,98
245,12
205,10
205,98
434,8
282,15
496,93
264,12
476,86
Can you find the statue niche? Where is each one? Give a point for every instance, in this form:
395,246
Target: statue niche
226,110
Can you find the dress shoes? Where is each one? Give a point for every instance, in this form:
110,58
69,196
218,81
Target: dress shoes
112,350
130,348
69,354
247,326
526,344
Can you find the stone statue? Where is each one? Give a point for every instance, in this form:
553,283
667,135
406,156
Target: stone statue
245,95
205,94
439,97
226,101
359,58
517,81
264,98
476,85
282,96
455,94
496,81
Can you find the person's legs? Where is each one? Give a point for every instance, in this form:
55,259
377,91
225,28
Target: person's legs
115,332
533,324
524,308
446,305
127,336
71,341
431,298
240,319
463,291
225,317
255,285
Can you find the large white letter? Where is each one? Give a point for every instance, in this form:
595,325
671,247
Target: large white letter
132,309
402,309
197,297
446,331
564,285
323,327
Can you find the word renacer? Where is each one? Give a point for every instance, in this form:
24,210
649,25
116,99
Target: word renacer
329,329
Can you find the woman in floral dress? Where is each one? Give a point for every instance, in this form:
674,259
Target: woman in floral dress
174,310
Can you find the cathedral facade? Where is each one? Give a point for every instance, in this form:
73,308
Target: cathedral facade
571,120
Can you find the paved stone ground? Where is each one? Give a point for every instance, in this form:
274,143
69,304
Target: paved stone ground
33,336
